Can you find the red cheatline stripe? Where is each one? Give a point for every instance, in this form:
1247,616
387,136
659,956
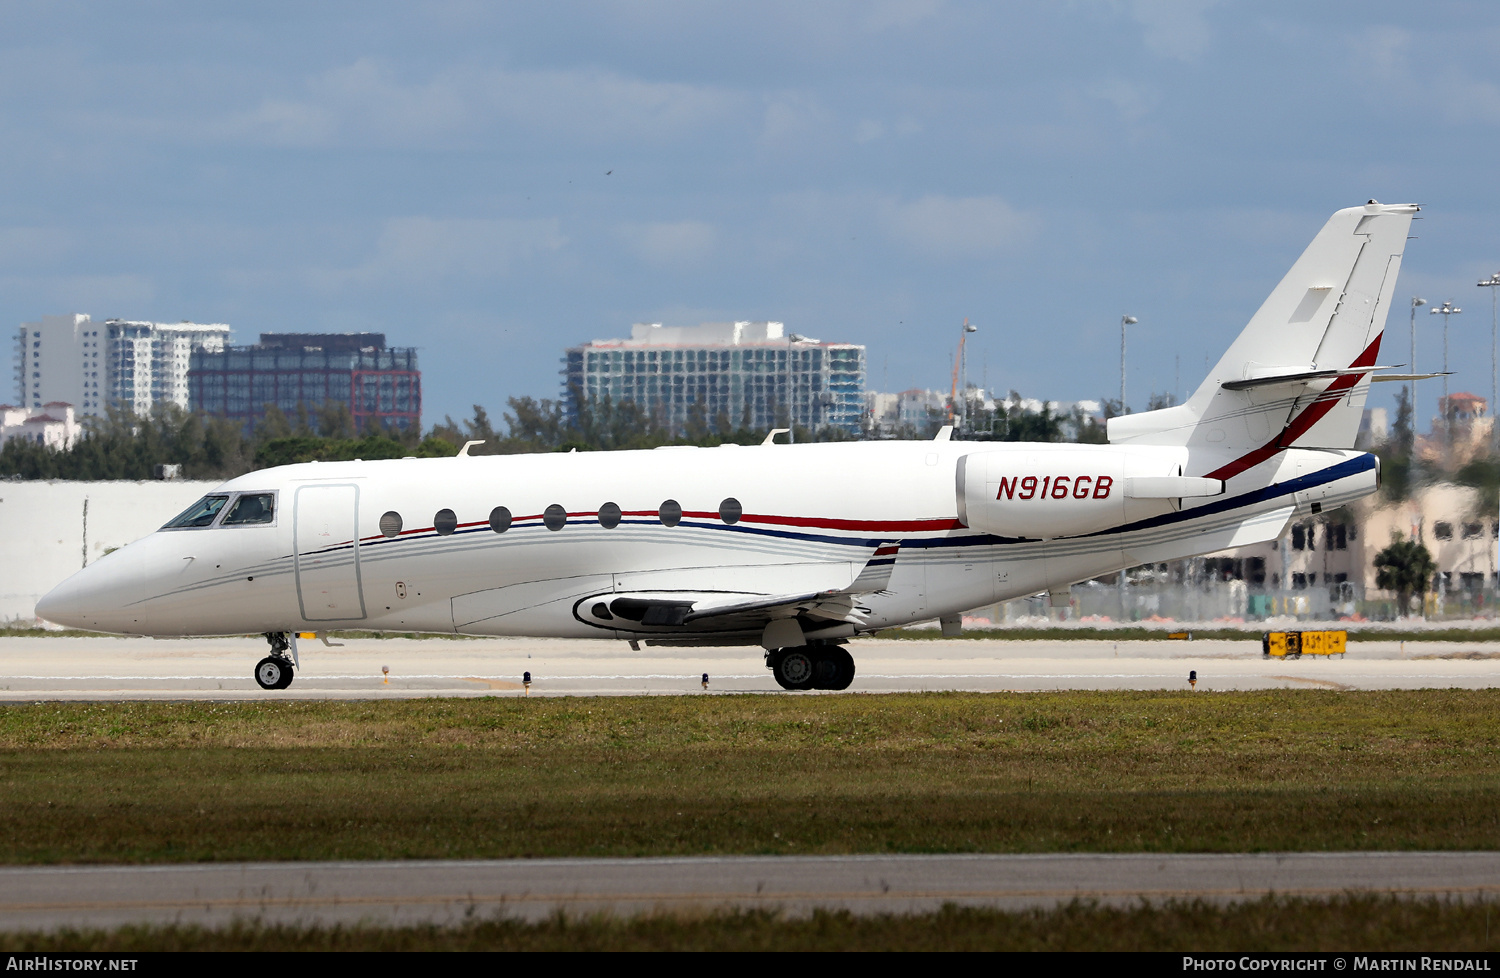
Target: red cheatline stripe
1300,425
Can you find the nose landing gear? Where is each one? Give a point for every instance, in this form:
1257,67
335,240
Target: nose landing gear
275,670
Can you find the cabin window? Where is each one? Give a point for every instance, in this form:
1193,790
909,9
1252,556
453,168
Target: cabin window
609,516
500,519
445,522
251,508
201,513
670,513
390,524
555,517
730,510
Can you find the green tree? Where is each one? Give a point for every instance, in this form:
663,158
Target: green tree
335,420
1401,432
1406,568
1087,430
1019,424
1482,474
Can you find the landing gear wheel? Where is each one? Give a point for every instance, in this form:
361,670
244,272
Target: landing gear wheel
794,668
273,672
835,669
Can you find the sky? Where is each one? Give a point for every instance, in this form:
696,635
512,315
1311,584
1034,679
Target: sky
492,183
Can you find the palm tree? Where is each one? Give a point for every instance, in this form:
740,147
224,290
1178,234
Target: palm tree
1404,567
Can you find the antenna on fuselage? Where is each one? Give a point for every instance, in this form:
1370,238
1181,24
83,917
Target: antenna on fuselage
468,445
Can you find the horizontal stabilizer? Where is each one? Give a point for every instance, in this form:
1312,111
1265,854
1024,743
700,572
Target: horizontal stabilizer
1409,377
1300,379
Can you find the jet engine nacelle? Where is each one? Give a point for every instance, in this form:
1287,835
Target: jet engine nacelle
1068,492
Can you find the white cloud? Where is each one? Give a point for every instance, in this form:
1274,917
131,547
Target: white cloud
794,121
952,227
1175,28
364,102
101,296
900,14
31,245
1131,101
670,244
427,251
1444,90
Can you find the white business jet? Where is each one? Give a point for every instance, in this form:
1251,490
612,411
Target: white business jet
794,548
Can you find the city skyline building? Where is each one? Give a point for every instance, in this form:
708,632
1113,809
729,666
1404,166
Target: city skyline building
743,374
377,382
92,366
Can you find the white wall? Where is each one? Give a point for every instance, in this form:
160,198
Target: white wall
44,537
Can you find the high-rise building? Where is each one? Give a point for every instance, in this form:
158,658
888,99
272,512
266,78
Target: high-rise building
751,374
287,369
124,363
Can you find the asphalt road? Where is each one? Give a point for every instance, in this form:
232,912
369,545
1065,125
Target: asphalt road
119,668
44,898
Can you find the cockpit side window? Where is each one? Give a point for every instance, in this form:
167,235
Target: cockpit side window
250,508
201,513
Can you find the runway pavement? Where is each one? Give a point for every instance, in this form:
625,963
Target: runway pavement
44,898
71,668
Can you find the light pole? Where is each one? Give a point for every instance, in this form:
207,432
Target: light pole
1446,309
1124,321
1411,388
791,391
1492,283
963,366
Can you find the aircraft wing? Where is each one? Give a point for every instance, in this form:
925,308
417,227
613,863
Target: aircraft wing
738,612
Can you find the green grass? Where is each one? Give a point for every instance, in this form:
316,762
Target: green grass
505,777
1124,633
1368,924
1138,634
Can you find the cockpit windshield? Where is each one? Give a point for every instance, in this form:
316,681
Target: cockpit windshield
252,507
201,513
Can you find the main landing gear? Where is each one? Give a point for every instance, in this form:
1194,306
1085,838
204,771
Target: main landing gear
275,670
812,667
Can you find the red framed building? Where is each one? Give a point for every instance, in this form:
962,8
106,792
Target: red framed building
290,369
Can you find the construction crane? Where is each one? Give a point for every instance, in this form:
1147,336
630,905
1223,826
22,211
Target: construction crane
958,361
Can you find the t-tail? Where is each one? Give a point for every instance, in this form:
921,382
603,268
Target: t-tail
1298,374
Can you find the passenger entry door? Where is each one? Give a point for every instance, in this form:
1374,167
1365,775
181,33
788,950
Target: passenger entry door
327,562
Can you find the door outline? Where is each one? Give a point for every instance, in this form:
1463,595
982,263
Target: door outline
359,584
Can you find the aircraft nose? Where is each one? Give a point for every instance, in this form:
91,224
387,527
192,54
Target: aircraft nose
65,604
95,597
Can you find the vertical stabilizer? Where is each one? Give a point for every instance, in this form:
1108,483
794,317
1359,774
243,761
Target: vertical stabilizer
1293,377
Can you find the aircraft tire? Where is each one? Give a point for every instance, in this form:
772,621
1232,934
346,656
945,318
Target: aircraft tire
794,669
273,672
836,669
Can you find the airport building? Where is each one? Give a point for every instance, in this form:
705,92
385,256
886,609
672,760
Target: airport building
377,382
121,363
743,374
